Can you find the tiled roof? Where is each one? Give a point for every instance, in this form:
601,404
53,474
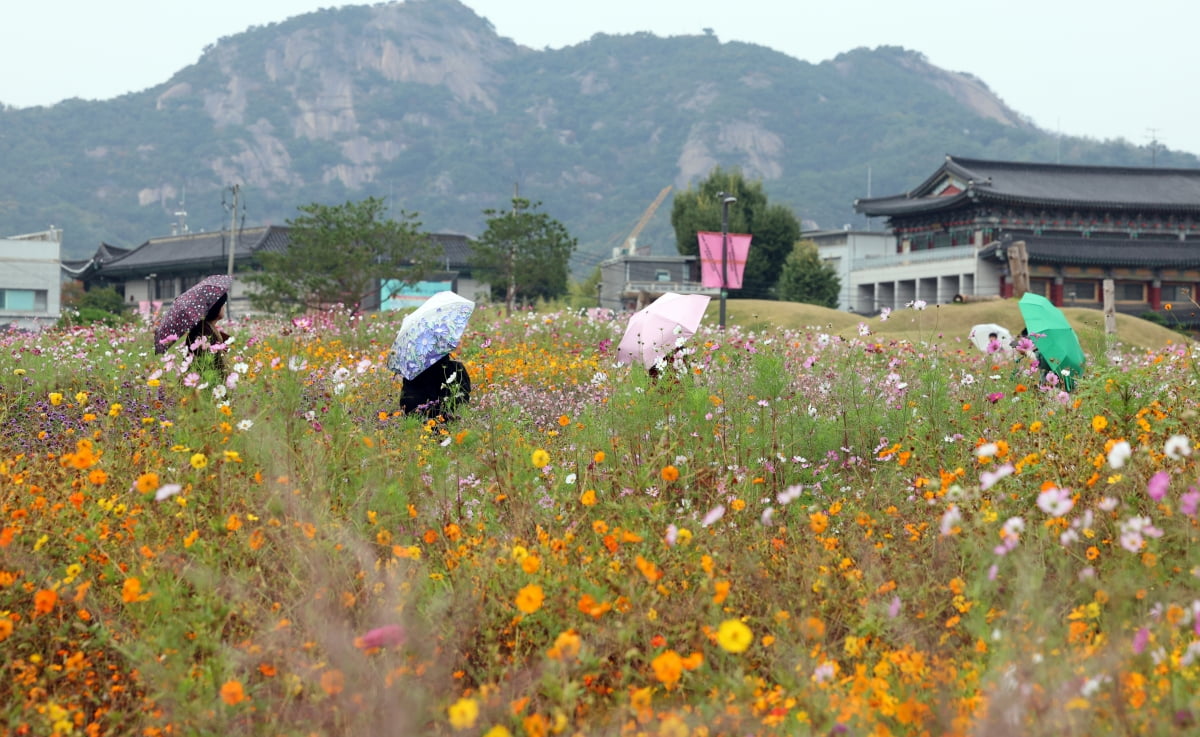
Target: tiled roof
1144,252
456,249
191,249
1048,185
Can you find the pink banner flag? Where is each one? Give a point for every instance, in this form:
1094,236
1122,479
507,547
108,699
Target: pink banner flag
735,258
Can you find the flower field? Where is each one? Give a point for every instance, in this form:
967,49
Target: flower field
789,532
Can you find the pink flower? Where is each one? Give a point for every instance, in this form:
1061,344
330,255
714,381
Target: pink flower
1140,640
995,397
1157,487
385,636
1190,501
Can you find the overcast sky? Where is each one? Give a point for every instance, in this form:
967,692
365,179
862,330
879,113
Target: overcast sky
1098,68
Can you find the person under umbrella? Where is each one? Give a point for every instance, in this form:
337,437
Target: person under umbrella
438,390
193,315
202,337
434,384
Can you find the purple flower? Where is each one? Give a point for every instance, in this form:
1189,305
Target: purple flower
1157,487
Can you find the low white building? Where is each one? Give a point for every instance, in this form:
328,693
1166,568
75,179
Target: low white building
876,273
31,280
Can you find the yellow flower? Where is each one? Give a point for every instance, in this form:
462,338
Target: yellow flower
56,398
1099,422
199,461
733,636
530,598
588,498
81,398
463,713
18,372
498,731
115,409
540,458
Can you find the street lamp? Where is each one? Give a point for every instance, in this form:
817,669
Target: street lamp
726,201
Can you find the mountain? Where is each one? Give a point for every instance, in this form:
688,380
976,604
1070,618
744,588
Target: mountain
423,103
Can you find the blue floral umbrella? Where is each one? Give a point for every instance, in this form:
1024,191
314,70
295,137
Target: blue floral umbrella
428,333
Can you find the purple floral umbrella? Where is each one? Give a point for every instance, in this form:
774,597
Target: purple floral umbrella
428,333
189,309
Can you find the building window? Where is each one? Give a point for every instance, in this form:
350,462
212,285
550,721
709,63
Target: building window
187,282
1080,291
1040,287
164,287
1129,291
662,275
1176,293
23,300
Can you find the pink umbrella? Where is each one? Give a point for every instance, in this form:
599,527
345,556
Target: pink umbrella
656,330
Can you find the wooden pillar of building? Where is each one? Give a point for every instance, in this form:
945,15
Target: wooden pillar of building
1056,291
1006,287
1154,294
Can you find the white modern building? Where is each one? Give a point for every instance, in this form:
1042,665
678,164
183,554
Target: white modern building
31,280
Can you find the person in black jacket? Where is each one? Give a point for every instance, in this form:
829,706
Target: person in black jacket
438,390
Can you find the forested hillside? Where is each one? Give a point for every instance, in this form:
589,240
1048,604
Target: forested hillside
424,104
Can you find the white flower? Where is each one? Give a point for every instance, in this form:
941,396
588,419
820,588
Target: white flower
715,514
1177,446
988,479
672,535
1013,527
885,313
245,425
950,519
863,329
1108,504
296,363
570,479
767,516
166,491
1119,453
341,374
219,391
824,672
339,388
987,450
241,367
1055,502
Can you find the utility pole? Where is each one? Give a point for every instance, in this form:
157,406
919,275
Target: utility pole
511,296
232,245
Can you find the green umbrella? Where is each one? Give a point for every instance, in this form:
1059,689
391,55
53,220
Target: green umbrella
1053,337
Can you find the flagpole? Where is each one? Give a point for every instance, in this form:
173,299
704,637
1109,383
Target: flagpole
726,201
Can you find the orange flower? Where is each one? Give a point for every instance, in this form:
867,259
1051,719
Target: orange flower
668,667
563,420
588,498
44,601
669,474
648,569
97,477
332,682
530,598
232,693
131,591
6,628
818,522
147,483
599,457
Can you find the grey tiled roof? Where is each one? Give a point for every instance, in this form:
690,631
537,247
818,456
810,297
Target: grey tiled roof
1142,252
1048,185
192,249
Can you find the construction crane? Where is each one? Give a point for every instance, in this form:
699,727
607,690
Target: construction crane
630,247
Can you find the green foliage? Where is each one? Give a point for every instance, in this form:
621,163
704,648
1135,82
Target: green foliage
100,305
806,278
523,254
338,254
774,227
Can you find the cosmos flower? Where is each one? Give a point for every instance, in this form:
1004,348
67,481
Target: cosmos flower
734,636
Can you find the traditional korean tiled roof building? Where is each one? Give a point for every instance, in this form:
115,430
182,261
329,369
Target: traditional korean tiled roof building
1080,224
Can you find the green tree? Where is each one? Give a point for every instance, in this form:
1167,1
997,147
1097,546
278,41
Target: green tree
806,278
774,227
81,307
337,254
523,254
